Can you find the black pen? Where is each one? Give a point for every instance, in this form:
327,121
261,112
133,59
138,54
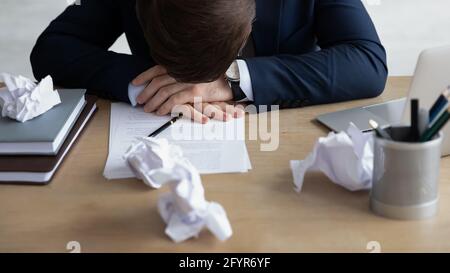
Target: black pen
165,126
415,131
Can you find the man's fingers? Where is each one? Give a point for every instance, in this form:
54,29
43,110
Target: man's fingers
183,97
236,111
162,95
154,86
212,111
217,110
149,74
190,112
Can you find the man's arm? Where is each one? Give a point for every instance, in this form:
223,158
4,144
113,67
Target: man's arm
74,51
350,65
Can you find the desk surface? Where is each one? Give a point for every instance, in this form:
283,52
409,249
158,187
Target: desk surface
266,214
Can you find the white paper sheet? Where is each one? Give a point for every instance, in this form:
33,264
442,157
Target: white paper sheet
222,150
345,158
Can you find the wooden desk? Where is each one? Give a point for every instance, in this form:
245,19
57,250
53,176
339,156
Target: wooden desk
266,214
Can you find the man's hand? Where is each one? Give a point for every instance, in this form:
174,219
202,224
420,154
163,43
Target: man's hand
203,112
164,93
156,79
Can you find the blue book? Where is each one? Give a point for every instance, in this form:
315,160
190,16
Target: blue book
45,134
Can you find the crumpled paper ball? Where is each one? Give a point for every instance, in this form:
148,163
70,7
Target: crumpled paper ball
184,209
150,157
23,100
345,158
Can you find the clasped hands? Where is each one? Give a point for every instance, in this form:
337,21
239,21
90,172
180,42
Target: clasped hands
163,94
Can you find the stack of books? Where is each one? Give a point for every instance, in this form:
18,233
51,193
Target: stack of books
31,152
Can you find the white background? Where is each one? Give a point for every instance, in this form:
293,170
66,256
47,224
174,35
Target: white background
405,26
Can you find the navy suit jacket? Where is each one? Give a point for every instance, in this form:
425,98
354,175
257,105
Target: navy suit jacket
307,51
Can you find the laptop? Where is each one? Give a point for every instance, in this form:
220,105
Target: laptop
431,78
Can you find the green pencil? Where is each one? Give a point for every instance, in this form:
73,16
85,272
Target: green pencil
432,131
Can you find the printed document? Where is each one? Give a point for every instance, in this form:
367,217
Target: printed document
215,147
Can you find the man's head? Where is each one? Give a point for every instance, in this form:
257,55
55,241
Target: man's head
196,40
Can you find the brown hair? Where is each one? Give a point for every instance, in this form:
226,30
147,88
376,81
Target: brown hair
196,40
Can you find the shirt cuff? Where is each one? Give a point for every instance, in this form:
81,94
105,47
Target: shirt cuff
246,81
134,91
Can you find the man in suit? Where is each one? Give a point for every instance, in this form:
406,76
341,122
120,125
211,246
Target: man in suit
294,53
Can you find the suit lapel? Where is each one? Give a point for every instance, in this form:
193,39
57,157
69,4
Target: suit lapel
266,33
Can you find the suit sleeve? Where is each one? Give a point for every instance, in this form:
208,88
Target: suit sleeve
74,51
351,62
